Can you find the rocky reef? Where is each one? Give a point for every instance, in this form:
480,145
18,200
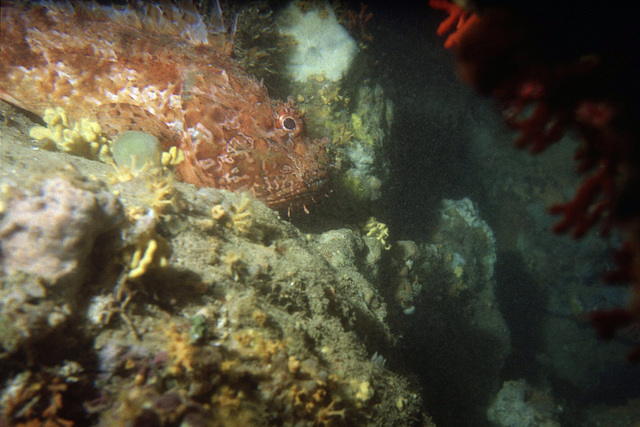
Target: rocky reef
133,298
128,297
519,404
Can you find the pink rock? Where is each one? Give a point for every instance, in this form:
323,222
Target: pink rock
53,233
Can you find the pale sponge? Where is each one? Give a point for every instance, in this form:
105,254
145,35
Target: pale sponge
322,46
133,149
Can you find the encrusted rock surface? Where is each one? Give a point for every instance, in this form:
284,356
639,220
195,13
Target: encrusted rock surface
200,302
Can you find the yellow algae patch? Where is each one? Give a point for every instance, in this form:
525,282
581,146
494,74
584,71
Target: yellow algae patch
458,271
360,130
293,364
401,402
341,134
363,392
180,350
84,138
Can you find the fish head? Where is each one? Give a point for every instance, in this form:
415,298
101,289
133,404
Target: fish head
241,140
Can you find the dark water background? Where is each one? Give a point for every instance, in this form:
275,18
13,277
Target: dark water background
437,121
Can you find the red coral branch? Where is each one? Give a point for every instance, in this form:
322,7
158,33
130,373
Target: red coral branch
547,88
537,131
459,18
590,203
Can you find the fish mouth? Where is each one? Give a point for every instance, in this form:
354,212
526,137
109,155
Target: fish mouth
308,191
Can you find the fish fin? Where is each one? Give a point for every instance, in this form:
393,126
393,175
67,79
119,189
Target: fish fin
184,20
11,100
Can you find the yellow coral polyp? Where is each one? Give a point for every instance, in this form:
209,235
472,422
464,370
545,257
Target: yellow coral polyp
163,194
173,157
140,262
89,131
142,259
56,116
242,220
40,133
378,230
218,212
242,217
84,138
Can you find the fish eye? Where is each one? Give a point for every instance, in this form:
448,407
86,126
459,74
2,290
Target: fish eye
289,124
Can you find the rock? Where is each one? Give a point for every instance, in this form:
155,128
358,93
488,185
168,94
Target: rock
51,234
47,240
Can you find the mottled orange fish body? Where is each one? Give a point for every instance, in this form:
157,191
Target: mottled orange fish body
163,71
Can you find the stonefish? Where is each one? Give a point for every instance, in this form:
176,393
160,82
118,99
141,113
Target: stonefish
169,72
